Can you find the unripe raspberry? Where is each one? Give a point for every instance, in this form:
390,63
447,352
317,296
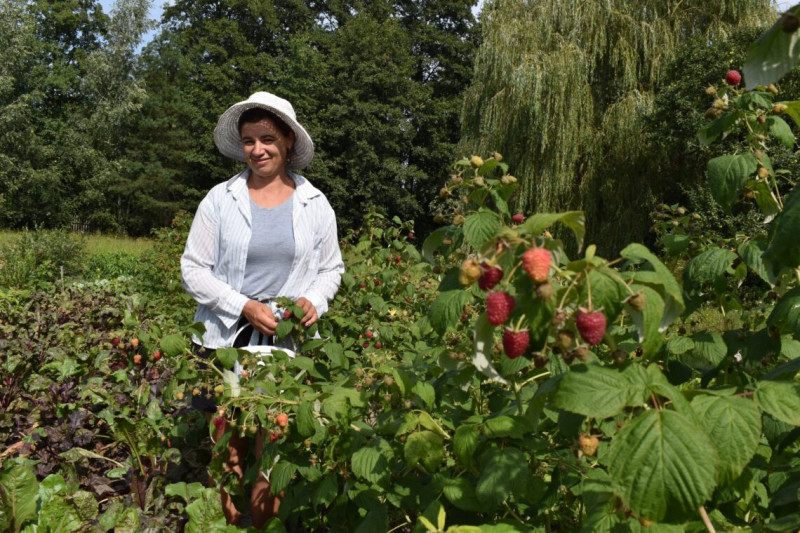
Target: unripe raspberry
779,109
763,173
497,156
469,273
476,161
711,90
637,301
536,262
588,444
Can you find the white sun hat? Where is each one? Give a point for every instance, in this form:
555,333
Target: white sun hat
229,142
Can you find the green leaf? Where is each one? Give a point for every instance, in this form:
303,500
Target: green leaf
426,393
574,220
446,309
675,243
765,198
784,247
504,471
781,131
465,442
780,399
793,110
608,291
284,329
734,425
709,350
281,475
716,129
173,345
774,54
424,448
751,252
504,426
708,267
188,492
461,493
679,345
306,421
326,491
727,175
649,320
786,314
205,513
661,279
481,227
371,463
20,494
226,356
593,391
663,465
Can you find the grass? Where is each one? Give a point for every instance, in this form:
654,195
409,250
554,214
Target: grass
96,243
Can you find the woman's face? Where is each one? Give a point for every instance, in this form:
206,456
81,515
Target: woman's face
265,148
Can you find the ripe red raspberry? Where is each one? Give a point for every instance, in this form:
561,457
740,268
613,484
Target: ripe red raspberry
219,423
490,276
733,77
287,314
591,325
515,342
498,307
536,263
519,218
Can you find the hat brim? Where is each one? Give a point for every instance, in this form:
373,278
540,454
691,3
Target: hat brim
229,142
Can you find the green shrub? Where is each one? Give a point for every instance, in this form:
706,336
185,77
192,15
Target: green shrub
160,268
111,265
41,257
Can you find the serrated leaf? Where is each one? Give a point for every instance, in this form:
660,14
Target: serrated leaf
786,314
481,227
663,465
574,220
727,175
205,513
370,463
751,252
649,321
284,328
593,391
425,448
446,309
661,279
173,345
709,350
772,55
784,247
708,266
734,425
281,475
425,392
503,471
717,128
608,291
780,399
505,426
779,129
679,345
461,493
226,356
465,442
306,422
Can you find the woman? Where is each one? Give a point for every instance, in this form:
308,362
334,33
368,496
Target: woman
263,234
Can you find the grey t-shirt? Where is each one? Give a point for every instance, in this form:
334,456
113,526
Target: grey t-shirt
271,250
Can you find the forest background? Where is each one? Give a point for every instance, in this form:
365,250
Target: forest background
595,108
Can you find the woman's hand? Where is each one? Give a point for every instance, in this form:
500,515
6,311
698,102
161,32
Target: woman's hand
310,311
261,317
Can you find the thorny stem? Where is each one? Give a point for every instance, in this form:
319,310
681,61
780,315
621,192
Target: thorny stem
655,401
707,520
512,513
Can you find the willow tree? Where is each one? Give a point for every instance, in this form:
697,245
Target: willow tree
562,88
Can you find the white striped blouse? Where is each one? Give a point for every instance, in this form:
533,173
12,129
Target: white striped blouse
213,261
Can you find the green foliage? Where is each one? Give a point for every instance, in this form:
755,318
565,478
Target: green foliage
40,257
110,265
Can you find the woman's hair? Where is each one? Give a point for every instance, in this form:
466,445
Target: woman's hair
256,114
